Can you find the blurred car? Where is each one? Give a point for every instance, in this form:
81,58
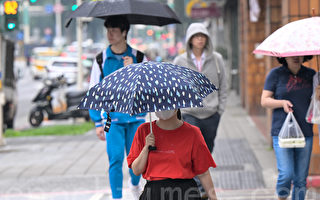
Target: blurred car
66,66
39,60
87,58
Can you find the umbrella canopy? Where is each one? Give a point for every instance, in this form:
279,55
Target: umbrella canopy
136,11
148,87
298,38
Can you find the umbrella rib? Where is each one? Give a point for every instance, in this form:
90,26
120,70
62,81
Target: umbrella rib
135,91
82,6
91,11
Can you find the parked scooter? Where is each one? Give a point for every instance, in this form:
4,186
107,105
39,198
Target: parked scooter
44,105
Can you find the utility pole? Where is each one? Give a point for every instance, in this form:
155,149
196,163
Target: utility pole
172,28
79,38
58,9
58,19
26,22
2,140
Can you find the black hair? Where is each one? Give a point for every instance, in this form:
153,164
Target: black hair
117,22
179,114
283,61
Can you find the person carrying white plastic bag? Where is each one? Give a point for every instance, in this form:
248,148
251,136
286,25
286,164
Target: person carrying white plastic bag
288,88
290,135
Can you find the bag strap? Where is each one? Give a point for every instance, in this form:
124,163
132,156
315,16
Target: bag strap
299,133
140,56
99,60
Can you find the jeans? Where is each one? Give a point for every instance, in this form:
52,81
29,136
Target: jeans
119,138
293,167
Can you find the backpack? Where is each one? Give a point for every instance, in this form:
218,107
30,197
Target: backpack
99,60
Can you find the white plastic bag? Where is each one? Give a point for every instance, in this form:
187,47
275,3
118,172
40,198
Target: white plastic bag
313,114
290,135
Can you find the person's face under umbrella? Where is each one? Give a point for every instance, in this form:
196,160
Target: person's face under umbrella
115,35
294,60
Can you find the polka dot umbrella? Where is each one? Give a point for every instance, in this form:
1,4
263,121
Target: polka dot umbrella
148,87
297,38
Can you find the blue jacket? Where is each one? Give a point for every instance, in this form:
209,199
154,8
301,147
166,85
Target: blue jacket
111,64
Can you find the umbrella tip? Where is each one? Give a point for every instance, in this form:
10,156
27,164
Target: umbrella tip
68,23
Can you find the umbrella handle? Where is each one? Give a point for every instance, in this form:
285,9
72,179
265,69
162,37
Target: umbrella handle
151,148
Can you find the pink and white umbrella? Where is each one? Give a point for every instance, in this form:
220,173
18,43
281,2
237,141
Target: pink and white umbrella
298,38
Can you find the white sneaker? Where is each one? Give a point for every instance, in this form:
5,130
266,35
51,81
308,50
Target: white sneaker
136,190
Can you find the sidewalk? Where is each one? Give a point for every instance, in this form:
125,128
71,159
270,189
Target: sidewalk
75,167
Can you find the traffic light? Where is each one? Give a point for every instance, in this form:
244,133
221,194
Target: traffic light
73,4
33,1
11,11
74,7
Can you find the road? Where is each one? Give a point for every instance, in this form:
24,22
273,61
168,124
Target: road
27,88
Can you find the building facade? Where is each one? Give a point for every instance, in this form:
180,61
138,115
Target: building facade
254,68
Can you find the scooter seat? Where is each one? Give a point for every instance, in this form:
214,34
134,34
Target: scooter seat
76,95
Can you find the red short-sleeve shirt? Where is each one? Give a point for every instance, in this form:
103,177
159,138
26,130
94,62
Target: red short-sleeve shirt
181,153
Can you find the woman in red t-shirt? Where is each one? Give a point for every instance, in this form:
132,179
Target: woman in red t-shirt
181,154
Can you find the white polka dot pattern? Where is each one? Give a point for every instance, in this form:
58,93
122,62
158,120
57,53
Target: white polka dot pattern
148,87
297,38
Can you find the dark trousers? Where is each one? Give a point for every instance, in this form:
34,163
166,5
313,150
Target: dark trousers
171,189
208,127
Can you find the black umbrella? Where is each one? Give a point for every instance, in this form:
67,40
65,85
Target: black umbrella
136,11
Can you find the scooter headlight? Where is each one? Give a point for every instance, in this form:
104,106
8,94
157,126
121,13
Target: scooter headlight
48,82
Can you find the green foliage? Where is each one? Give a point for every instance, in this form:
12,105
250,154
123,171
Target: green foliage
76,129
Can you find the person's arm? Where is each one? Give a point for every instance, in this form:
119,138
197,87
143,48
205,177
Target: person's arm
267,101
139,164
223,85
100,133
206,182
